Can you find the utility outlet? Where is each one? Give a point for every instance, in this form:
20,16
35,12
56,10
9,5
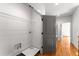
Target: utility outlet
18,46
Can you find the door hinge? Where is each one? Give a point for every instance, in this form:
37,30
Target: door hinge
42,19
42,33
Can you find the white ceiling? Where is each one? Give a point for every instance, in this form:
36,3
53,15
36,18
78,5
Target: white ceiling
64,9
60,9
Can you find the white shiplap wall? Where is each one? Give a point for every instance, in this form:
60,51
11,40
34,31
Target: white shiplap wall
13,30
16,21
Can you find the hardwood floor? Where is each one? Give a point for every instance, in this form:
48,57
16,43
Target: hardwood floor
78,52
63,48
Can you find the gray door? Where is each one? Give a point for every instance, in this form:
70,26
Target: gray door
49,34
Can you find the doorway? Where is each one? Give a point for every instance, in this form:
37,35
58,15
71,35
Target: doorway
63,39
65,33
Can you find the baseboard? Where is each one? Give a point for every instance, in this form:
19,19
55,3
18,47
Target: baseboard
74,46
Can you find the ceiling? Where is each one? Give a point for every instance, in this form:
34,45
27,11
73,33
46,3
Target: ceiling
63,9
60,9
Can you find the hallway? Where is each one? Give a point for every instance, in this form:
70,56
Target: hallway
63,48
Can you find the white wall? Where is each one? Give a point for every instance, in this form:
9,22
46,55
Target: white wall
36,30
63,19
75,27
15,22
16,9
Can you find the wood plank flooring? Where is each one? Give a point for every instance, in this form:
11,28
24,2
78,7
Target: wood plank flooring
63,48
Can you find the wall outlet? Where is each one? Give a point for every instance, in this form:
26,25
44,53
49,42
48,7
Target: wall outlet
18,46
